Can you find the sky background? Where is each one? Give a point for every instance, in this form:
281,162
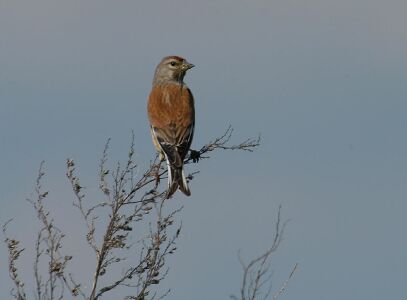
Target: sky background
324,82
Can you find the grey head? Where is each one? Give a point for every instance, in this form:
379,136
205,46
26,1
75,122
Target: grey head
171,69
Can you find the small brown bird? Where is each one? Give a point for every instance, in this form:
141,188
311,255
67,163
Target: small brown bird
172,118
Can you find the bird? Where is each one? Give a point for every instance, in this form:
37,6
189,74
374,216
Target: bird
171,112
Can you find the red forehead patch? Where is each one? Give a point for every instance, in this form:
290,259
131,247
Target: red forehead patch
179,58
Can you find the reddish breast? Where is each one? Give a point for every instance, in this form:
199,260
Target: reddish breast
170,104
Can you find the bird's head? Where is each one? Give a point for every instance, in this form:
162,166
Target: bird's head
171,68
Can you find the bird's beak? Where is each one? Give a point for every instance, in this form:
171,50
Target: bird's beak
186,65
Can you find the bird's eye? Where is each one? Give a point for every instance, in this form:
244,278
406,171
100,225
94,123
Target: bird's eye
173,63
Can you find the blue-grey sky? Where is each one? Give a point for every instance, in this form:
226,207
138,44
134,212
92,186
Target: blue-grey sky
324,82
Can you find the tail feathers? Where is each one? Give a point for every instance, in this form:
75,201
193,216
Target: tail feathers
183,184
177,180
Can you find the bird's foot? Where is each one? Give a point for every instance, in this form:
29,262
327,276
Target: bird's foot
195,155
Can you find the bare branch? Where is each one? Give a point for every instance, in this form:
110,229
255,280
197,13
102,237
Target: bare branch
14,253
257,273
222,143
48,248
130,200
284,285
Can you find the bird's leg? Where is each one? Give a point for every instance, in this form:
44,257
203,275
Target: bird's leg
157,170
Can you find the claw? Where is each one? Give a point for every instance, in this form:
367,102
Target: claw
195,155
